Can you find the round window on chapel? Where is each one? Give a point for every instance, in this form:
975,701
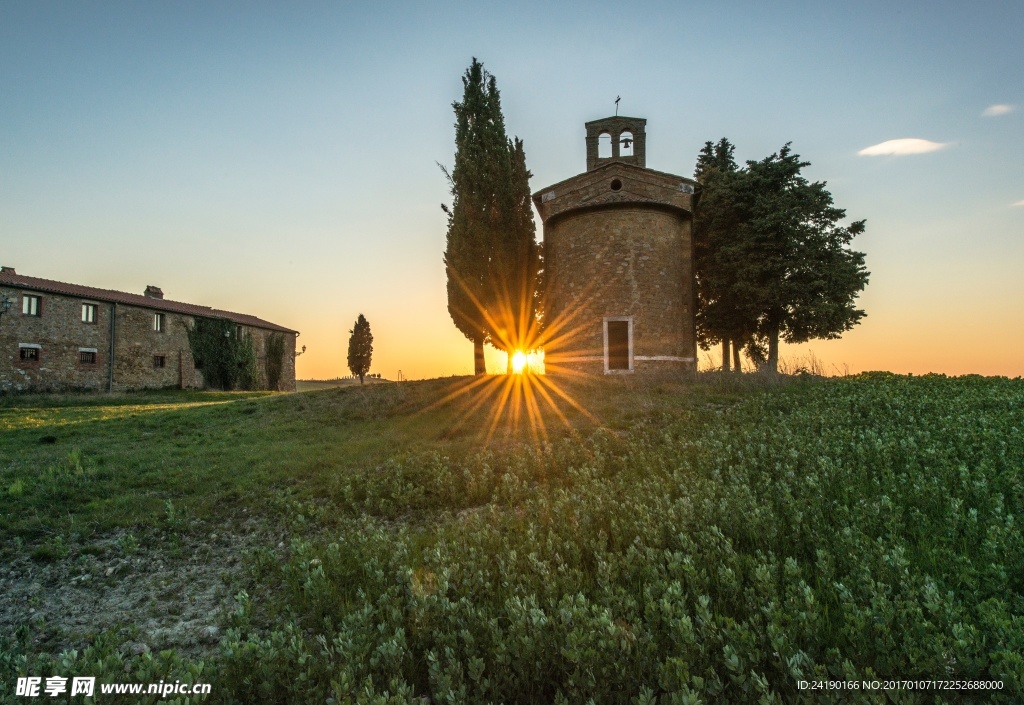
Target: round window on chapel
616,184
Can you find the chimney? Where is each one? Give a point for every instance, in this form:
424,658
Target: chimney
7,270
154,292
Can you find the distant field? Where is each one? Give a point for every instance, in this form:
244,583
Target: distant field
615,540
311,385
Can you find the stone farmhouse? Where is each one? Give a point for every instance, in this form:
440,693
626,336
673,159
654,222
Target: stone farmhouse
57,336
618,256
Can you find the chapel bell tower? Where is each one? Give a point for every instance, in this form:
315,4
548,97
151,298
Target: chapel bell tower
616,139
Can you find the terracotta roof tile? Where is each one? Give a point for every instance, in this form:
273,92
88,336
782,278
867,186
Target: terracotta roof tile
12,279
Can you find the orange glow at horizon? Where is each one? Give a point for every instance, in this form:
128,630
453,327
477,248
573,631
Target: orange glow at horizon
929,343
907,331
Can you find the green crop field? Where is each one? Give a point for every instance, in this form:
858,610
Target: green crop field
735,540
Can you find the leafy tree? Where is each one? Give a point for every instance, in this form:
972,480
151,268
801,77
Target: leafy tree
774,261
805,280
723,315
360,348
491,257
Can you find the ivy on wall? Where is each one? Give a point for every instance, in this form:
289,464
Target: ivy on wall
275,359
225,354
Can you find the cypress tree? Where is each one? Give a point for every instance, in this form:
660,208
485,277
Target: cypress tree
491,258
360,348
514,280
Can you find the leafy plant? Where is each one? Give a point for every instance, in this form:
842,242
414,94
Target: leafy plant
846,530
226,354
274,359
128,544
840,529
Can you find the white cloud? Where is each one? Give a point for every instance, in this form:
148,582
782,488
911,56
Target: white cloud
1018,203
901,147
997,110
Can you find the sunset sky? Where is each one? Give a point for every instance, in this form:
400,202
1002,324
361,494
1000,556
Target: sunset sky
280,159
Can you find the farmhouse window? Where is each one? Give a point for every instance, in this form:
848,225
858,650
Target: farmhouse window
31,305
88,313
158,322
27,354
159,361
87,357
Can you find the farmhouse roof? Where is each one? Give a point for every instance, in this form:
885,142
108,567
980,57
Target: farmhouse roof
10,278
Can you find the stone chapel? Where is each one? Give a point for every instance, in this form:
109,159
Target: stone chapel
618,258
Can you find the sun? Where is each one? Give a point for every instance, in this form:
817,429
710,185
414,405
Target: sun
519,362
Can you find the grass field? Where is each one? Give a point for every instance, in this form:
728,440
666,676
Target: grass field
718,540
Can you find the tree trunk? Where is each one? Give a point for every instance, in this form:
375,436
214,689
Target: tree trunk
360,378
773,352
736,356
479,366
725,355
508,369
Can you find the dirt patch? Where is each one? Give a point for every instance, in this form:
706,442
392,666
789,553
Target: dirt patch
155,590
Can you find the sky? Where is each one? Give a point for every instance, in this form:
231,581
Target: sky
281,159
